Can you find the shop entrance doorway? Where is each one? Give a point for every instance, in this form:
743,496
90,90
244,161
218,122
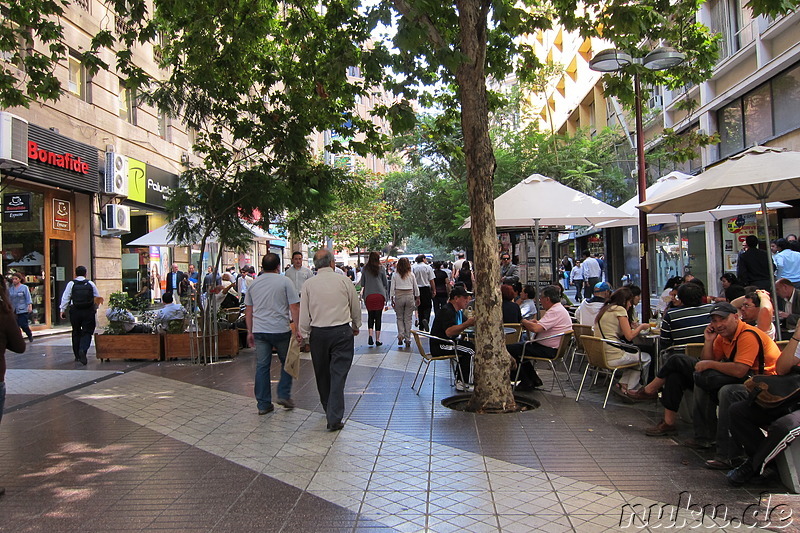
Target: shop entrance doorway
62,271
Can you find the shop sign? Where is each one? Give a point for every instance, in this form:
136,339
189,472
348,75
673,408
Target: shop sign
61,214
60,161
148,184
67,161
17,207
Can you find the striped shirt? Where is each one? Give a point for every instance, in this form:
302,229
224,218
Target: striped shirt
682,325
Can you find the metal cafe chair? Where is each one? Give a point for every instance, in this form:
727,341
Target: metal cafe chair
563,348
595,348
428,358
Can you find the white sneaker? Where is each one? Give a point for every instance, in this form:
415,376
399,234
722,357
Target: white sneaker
460,386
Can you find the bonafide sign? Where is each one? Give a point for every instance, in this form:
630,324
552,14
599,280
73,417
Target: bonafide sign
66,161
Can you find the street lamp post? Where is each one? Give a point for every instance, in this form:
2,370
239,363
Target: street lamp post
613,60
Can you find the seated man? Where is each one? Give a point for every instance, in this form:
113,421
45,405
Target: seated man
587,311
735,349
449,323
556,320
685,324
788,304
171,311
781,423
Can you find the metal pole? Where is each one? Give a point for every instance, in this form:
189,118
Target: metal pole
774,294
642,184
680,245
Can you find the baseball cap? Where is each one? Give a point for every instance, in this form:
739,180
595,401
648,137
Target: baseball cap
455,292
602,286
723,309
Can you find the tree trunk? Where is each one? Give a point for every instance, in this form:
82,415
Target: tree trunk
492,361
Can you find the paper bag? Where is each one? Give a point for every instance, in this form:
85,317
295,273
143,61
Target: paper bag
292,365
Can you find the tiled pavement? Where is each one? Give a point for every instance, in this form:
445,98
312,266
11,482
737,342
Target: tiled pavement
130,446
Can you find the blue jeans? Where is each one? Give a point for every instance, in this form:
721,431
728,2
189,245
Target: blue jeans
263,386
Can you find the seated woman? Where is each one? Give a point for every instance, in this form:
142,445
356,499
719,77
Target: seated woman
511,311
755,307
527,305
612,323
727,279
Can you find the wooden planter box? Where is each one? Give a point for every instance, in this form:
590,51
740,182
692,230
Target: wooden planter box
129,346
176,345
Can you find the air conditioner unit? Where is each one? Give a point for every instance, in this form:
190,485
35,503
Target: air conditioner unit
117,218
116,174
13,141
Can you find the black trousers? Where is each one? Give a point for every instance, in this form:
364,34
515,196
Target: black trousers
424,308
678,373
578,289
588,287
83,326
465,350
527,374
782,425
332,355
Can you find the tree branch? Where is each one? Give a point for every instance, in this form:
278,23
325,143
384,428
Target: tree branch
407,10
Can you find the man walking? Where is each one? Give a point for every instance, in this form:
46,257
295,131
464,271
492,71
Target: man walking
426,281
297,273
270,302
330,316
80,296
591,273
174,280
509,272
752,267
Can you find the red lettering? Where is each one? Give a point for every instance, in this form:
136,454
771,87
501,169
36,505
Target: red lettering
68,161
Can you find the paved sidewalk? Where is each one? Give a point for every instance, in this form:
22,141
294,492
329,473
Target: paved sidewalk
140,446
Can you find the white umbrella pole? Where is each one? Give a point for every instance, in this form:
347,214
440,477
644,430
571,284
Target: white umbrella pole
680,245
536,266
774,294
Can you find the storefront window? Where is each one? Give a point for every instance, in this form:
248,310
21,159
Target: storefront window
23,244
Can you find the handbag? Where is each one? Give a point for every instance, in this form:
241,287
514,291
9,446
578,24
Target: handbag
774,391
712,380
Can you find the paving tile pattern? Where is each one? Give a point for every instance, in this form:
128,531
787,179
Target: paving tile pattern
129,446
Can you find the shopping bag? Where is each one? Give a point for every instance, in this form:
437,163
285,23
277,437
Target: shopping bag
292,365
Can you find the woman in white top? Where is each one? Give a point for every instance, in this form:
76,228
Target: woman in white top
404,294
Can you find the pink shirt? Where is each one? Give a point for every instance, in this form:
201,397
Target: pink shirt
555,320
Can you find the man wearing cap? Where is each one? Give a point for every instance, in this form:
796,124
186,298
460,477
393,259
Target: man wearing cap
721,342
587,311
735,349
449,323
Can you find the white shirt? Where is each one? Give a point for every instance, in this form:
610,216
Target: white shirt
591,268
67,296
423,273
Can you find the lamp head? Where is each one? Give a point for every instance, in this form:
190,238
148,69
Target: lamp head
611,60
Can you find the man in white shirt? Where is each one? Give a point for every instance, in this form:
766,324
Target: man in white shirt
425,277
298,273
591,273
459,262
81,296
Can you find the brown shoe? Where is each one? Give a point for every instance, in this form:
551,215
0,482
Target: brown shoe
639,395
661,430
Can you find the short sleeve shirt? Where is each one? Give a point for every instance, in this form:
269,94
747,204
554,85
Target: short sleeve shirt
270,295
555,320
747,348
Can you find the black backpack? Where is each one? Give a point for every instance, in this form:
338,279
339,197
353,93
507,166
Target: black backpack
82,294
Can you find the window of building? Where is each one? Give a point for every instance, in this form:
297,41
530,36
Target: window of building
163,125
127,108
354,72
78,83
731,129
757,115
785,96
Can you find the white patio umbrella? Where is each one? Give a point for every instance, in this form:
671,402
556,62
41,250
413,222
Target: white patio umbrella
160,237
541,201
544,199
32,259
668,183
760,174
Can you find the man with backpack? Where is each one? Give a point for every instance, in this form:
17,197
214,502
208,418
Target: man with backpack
80,296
